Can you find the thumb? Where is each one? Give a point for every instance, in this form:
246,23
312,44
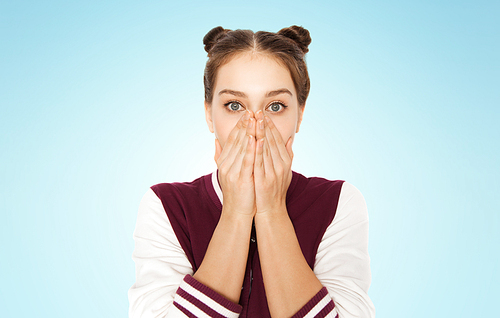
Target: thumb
218,150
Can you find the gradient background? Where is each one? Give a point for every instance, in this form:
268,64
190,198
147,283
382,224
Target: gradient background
99,101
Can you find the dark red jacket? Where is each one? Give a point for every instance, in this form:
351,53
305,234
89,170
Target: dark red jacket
194,209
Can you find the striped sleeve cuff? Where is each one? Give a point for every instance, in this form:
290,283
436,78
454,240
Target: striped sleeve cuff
197,300
320,306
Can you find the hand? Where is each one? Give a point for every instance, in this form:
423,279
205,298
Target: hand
272,167
236,164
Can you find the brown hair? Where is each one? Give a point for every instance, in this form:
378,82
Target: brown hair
288,47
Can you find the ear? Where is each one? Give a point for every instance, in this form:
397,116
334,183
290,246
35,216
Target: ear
301,114
208,117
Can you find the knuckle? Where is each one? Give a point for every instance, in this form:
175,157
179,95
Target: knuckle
271,175
231,178
240,123
223,170
231,138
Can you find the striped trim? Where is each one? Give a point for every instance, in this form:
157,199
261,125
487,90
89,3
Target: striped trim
184,310
215,183
209,311
327,311
197,300
318,307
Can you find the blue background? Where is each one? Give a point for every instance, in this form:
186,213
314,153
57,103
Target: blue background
99,101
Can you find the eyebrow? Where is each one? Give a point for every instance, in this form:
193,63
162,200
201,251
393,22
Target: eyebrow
268,94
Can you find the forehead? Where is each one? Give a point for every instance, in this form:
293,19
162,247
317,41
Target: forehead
254,74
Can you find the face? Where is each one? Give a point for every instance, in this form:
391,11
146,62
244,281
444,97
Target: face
253,82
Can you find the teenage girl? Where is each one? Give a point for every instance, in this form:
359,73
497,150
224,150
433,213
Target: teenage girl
253,238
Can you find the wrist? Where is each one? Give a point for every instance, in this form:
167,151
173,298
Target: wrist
272,216
276,209
230,216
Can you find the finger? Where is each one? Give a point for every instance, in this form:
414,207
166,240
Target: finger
251,130
251,127
268,160
258,170
259,133
273,148
289,147
242,153
278,140
218,150
248,159
280,166
240,142
237,163
233,141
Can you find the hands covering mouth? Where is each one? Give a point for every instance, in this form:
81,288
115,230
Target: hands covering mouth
254,166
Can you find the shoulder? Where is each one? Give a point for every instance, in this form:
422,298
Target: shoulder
180,190
151,218
152,207
314,182
177,186
351,195
315,187
351,203
150,202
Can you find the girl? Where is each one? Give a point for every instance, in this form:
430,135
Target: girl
253,238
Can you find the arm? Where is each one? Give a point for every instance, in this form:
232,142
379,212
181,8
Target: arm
292,288
160,262
342,261
164,286
224,264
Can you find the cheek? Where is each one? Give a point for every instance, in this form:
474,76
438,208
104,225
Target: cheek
286,131
222,129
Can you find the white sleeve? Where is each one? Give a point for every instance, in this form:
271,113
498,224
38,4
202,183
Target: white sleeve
342,262
160,263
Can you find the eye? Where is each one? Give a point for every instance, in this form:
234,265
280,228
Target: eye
232,106
275,107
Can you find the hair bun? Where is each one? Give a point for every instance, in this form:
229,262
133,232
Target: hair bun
214,35
299,35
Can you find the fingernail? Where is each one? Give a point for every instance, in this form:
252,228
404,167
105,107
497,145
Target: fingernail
261,124
247,115
250,124
267,119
